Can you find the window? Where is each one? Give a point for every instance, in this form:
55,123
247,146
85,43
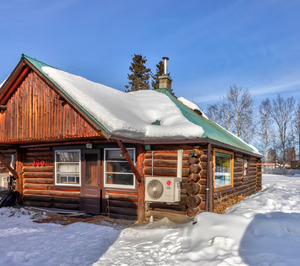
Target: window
68,168
223,169
246,167
117,172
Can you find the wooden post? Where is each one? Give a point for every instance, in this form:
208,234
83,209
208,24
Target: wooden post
209,194
13,172
130,162
141,186
19,165
139,177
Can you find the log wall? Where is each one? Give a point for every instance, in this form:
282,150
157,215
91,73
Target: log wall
36,112
38,182
122,205
193,179
243,185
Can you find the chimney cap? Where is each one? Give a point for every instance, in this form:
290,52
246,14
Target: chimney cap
167,58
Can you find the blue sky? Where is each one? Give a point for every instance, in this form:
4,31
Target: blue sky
211,44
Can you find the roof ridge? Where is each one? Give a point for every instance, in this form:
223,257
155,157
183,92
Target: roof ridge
38,61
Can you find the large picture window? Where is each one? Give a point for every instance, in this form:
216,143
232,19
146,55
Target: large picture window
223,169
117,172
68,168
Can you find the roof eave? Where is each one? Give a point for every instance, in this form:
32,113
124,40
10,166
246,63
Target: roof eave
185,141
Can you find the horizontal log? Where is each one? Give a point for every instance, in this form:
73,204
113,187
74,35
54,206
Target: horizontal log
39,153
173,207
39,158
121,210
31,185
165,163
31,164
203,158
203,165
195,168
203,182
193,189
123,204
193,201
193,211
38,169
178,216
38,204
122,197
166,156
238,169
163,171
38,174
66,206
39,180
194,160
39,149
51,193
194,178
203,173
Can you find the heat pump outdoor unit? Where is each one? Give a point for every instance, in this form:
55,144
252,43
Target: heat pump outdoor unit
162,189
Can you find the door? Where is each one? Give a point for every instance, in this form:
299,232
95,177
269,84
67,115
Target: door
90,200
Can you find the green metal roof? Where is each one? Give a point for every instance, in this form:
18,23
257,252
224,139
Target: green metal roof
211,129
38,65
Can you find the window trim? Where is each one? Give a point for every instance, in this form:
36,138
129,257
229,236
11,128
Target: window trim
116,185
232,170
247,169
55,170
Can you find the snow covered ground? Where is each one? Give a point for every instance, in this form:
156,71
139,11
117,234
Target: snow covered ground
262,230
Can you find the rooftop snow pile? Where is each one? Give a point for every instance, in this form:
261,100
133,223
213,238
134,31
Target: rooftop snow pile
127,114
191,105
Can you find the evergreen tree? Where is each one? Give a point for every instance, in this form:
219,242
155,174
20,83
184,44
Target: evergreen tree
159,72
139,79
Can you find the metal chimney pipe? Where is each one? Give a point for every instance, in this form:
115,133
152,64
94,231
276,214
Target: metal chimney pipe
165,65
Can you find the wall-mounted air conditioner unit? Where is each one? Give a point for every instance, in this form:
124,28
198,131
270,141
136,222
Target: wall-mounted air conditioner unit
162,189
4,181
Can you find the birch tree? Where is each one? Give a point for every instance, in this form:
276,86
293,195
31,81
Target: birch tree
265,120
282,111
235,112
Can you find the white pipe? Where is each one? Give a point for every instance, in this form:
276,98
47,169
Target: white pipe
179,164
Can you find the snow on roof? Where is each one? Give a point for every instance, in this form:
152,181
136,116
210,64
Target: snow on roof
127,114
2,82
191,105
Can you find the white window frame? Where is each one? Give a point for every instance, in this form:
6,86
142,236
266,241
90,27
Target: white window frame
116,185
62,184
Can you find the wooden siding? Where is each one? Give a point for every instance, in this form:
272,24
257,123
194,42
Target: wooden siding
39,188
35,112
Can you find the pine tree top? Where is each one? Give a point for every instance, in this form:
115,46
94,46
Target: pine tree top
139,79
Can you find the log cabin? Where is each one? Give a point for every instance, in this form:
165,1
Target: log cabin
81,145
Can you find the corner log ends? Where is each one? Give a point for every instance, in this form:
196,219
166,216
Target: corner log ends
196,187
